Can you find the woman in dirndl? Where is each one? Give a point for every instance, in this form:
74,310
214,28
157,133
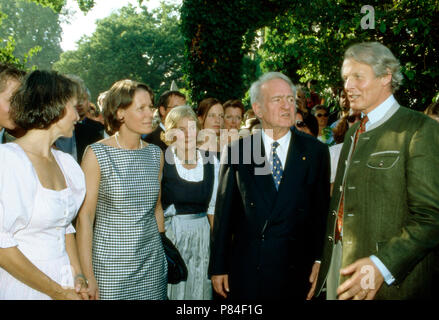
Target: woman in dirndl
189,184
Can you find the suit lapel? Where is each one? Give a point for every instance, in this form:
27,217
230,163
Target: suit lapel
261,171
296,167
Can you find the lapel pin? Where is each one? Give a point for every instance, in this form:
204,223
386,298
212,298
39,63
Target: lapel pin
304,158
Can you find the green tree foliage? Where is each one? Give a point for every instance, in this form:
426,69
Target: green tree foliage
34,28
8,42
138,45
217,36
307,42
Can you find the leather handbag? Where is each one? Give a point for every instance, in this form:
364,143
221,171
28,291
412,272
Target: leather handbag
177,270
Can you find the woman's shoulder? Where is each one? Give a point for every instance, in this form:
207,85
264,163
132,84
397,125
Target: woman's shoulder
154,149
109,142
11,154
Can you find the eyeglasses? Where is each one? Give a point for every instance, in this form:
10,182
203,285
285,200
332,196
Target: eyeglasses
300,124
319,115
353,118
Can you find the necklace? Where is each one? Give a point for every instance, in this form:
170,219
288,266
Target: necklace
118,144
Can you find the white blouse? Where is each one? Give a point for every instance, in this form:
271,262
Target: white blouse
36,219
195,175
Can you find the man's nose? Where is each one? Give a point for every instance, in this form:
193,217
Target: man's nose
348,84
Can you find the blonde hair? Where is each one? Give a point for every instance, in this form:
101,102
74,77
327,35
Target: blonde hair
174,116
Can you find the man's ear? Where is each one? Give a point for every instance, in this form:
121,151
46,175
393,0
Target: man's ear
387,79
257,109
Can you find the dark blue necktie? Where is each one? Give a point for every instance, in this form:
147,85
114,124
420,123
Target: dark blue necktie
276,165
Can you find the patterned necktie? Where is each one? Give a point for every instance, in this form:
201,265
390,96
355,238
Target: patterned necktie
361,129
276,165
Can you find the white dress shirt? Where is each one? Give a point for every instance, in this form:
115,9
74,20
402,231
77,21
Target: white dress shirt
379,112
281,150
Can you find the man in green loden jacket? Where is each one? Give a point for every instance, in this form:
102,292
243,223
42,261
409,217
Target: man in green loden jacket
383,223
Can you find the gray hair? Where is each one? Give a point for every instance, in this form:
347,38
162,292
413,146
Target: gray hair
255,89
379,57
81,83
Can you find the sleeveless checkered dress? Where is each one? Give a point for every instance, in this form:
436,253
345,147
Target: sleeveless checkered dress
128,257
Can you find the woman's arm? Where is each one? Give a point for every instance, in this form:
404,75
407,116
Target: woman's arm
86,217
159,216
17,265
212,202
79,279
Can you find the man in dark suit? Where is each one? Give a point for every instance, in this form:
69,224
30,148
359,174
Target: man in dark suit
167,101
383,223
271,204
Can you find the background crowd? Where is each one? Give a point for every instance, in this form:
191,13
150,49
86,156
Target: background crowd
138,171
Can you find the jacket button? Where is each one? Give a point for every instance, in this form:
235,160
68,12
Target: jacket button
334,212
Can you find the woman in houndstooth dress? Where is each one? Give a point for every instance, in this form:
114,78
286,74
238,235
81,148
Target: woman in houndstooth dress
118,226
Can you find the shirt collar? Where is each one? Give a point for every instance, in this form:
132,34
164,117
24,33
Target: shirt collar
162,126
379,112
283,142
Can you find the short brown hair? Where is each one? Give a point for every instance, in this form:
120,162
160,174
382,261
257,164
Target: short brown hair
120,96
8,72
41,99
166,96
205,105
234,103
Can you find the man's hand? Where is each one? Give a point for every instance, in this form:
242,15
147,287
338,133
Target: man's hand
221,284
364,283
313,279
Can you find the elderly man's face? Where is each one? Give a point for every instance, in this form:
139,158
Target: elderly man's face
277,108
365,91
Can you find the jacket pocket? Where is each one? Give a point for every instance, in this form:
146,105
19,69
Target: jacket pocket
383,160
380,245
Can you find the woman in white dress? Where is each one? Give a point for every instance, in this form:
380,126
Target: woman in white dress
41,190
